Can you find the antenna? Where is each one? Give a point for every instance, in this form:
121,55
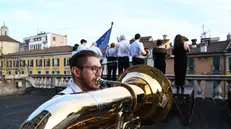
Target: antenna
203,28
209,33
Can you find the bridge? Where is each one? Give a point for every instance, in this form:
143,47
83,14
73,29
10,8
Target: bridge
212,100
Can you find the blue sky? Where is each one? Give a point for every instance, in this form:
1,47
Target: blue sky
89,19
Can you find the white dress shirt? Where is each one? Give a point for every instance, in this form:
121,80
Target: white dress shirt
111,52
123,49
137,48
71,88
80,48
96,50
73,53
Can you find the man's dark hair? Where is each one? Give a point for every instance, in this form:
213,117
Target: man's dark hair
74,48
137,36
79,59
159,42
83,41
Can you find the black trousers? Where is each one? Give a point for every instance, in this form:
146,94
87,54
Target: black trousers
137,61
111,68
123,63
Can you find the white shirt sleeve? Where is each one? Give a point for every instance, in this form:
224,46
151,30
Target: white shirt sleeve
142,48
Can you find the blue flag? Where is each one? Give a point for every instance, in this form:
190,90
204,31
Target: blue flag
103,41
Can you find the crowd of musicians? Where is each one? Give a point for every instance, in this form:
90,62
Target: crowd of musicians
118,54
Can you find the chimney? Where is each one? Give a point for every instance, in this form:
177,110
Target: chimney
194,41
164,37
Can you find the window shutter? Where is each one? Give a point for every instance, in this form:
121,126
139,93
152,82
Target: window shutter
229,63
64,61
53,62
216,62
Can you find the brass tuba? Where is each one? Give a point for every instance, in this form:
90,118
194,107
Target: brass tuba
148,52
141,96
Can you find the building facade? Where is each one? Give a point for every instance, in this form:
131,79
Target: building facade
43,40
53,60
7,44
205,58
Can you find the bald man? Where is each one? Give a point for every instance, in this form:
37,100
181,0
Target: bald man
96,49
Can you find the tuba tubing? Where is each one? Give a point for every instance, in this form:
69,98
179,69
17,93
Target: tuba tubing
140,95
61,108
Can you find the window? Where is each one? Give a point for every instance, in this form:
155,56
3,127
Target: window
16,63
229,63
216,63
30,72
191,65
55,62
39,62
22,72
30,62
46,62
66,61
16,72
67,72
39,72
54,39
22,63
56,72
9,72
9,63
47,72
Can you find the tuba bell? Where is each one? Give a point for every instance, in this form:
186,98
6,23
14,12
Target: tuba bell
148,52
141,96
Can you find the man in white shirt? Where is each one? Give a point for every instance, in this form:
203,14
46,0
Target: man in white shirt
123,53
96,49
137,51
82,46
85,68
111,62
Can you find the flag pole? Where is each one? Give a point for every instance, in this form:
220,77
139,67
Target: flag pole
109,36
110,32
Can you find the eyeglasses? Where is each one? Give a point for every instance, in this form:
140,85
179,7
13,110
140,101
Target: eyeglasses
94,69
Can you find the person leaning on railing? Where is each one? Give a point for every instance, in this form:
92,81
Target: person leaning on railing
180,60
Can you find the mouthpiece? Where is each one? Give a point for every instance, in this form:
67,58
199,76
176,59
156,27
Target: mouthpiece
99,81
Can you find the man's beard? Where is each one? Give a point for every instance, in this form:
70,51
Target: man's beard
87,85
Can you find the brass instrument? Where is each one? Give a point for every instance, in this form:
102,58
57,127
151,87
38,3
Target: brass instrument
148,52
142,95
